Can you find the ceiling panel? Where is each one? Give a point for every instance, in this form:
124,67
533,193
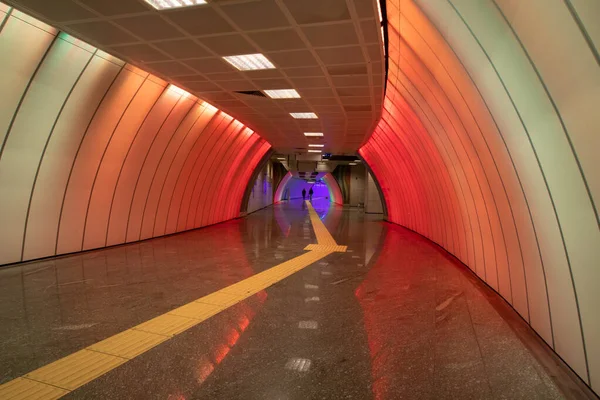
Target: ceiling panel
183,48
114,7
256,15
141,51
103,33
283,39
228,45
149,27
58,11
199,21
315,11
342,34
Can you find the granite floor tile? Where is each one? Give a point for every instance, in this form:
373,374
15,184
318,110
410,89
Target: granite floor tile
393,318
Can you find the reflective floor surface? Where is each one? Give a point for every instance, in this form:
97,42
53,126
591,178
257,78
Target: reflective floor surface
393,318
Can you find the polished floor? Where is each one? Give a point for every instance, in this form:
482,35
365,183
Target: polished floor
394,317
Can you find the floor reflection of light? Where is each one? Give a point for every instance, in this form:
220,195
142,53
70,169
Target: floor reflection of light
221,352
176,397
242,320
314,298
309,286
308,325
204,370
298,364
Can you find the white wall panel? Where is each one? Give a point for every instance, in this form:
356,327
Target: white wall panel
27,137
60,154
262,190
26,45
573,91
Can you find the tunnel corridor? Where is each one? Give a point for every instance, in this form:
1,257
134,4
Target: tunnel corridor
154,242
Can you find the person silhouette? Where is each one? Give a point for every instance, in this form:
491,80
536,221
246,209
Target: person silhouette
310,193
303,194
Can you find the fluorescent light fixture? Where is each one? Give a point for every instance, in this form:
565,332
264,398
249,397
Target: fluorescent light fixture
379,10
281,158
166,4
304,115
352,163
314,151
282,94
316,145
250,62
313,134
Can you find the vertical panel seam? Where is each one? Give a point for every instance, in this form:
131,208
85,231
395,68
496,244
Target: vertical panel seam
470,162
37,172
584,31
77,154
102,159
495,204
24,94
169,170
558,114
155,170
454,168
6,18
500,176
126,157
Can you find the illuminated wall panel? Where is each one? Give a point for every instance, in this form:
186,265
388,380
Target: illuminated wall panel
57,161
488,146
96,152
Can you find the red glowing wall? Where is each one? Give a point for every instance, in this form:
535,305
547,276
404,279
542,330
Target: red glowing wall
488,144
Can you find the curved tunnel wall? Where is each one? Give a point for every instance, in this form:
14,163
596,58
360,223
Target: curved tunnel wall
95,152
295,186
488,146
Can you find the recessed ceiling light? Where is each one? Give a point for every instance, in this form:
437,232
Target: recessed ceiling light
314,151
316,145
307,115
249,62
166,4
313,134
281,158
282,94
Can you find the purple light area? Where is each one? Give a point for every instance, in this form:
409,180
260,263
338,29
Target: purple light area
295,186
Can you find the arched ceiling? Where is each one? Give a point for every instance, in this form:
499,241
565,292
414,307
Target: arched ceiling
329,51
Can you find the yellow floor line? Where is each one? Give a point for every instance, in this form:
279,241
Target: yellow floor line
59,378
324,239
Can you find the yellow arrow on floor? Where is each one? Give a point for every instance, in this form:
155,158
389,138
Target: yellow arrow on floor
61,377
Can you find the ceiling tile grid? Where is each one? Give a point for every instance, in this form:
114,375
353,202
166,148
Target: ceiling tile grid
330,52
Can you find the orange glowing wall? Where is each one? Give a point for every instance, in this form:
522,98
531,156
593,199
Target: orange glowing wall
95,152
488,145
